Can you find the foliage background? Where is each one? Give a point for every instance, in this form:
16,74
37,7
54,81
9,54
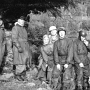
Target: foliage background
74,18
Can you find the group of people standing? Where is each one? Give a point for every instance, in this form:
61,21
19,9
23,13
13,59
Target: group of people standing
19,45
64,61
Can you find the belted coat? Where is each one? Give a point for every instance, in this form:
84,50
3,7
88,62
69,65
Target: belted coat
19,38
63,51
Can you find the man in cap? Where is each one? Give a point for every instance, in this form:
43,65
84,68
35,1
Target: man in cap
20,48
63,53
81,47
53,34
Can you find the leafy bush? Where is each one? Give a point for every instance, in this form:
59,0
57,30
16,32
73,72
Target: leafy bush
69,18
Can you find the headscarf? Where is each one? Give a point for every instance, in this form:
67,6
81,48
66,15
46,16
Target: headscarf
20,22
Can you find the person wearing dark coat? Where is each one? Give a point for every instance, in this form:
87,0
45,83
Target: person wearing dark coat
81,47
63,55
2,41
21,49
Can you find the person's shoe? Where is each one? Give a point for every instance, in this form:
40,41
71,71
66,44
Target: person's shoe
86,88
23,75
47,81
36,78
43,82
80,88
19,78
24,78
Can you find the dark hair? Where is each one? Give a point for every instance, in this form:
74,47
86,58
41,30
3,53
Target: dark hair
8,25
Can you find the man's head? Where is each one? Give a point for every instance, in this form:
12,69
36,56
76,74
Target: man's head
82,35
45,39
61,32
53,30
21,21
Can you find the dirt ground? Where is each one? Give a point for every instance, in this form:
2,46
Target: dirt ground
17,85
7,82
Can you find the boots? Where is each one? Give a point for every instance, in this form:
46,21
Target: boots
23,75
80,86
20,76
86,84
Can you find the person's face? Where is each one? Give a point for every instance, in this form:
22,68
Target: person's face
54,38
53,32
82,38
46,40
61,34
22,22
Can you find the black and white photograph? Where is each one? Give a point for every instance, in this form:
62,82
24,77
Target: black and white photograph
44,44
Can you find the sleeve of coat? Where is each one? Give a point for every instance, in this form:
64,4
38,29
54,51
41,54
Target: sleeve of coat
44,55
40,60
56,58
70,53
76,57
4,38
15,37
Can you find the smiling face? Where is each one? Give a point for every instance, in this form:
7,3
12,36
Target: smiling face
53,32
46,40
62,34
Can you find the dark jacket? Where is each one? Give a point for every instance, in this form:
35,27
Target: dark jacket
2,44
19,38
81,52
63,51
47,55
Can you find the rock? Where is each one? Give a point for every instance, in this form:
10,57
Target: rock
30,84
44,89
41,89
6,76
